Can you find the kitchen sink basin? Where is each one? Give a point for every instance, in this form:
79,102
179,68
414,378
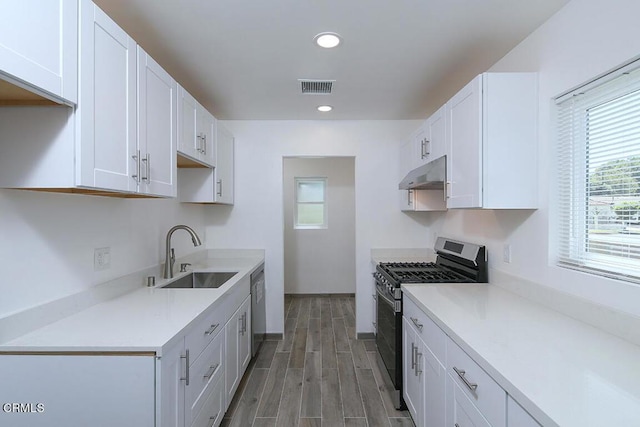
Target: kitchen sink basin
202,280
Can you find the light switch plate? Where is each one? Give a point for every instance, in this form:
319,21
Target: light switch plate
506,253
101,259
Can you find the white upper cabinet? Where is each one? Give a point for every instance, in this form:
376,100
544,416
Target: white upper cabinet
106,113
436,130
39,46
157,134
196,132
492,143
206,185
225,166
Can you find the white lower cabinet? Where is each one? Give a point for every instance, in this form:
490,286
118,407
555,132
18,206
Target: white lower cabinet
518,417
444,386
78,390
424,375
238,347
461,412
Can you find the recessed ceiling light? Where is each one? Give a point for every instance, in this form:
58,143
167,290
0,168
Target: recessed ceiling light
327,40
325,108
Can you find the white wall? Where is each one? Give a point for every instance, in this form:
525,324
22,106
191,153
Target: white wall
321,261
47,241
256,220
583,40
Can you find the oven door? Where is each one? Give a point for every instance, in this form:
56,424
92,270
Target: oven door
389,336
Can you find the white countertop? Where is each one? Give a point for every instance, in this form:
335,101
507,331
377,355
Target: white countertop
562,371
144,320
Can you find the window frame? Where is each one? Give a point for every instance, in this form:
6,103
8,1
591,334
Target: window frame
573,238
297,203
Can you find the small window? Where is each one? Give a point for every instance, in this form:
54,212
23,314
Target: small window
310,203
599,176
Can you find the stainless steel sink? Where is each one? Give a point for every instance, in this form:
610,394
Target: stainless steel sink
202,280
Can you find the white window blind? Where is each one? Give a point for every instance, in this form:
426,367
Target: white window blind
599,176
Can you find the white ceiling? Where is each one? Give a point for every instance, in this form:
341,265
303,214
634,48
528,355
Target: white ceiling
400,59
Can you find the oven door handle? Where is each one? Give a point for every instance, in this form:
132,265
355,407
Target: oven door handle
382,297
396,305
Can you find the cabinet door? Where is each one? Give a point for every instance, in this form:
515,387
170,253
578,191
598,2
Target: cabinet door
412,378
421,146
79,390
39,45
437,131
244,349
172,386
464,163
225,166
232,362
206,125
107,107
435,382
157,117
518,417
460,410
187,108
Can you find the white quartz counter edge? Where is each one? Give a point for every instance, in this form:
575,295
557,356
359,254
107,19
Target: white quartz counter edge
145,320
562,371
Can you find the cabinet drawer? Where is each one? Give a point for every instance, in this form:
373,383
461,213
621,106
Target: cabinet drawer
212,411
203,332
203,374
461,412
477,385
426,329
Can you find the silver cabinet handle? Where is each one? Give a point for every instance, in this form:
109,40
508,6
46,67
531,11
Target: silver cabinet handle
422,149
427,147
211,329
409,194
186,369
136,157
417,323
147,161
240,326
413,356
199,143
204,144
211,371
464,379
220,187
213,419
418,370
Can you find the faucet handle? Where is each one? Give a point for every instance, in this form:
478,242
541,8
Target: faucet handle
183,267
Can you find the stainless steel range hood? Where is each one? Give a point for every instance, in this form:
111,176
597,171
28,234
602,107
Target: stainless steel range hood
429,176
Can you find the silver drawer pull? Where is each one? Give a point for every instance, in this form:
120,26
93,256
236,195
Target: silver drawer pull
417,323
418,370
211,329
211,371
466,382
413,356
186,369
213,419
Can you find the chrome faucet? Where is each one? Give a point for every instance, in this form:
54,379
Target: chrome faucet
170,257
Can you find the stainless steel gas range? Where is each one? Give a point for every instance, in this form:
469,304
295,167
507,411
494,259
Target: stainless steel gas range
456,262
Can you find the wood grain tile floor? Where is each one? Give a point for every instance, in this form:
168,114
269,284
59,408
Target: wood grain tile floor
318,375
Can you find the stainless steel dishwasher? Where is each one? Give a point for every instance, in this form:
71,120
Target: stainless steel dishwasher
258,309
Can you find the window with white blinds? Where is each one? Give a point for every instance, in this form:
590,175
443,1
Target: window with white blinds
599,176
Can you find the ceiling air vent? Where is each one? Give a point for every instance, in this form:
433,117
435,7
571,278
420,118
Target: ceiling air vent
316,87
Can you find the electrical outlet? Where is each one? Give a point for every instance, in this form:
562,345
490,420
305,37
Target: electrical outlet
506,253
101,259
